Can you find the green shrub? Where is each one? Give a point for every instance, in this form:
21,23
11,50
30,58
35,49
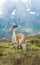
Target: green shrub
38,44
1,54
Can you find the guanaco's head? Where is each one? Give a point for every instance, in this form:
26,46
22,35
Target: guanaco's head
16,27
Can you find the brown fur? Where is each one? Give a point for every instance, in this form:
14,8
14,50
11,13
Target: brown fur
18,36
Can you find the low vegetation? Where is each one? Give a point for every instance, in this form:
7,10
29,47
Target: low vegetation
9,56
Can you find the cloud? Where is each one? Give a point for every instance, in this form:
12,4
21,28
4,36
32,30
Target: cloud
28,30
31,31
38,32
35,33
15,0
24,1
2,1
31,12
13,13
0,12
28,9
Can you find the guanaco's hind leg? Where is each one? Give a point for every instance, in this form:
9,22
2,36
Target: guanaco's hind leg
24,47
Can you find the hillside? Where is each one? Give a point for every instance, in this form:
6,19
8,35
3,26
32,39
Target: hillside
9,56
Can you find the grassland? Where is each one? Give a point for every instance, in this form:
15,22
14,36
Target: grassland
9,56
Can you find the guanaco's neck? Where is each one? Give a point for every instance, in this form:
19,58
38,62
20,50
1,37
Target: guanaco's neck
14,32
14,36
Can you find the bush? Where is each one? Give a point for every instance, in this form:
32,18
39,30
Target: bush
1,54
38,44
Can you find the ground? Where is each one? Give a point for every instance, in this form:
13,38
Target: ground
9,56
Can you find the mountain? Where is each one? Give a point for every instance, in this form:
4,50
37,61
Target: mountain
19,13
